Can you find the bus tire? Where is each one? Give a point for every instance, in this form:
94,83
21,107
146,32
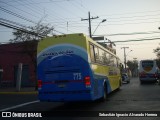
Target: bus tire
159,82
104,97
120,84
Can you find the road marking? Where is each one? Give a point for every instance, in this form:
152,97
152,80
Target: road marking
20,105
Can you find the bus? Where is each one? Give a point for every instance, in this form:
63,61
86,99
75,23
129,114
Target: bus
73,67
148,71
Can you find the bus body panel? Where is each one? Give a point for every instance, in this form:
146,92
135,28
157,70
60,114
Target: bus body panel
105,73
148,71
64,66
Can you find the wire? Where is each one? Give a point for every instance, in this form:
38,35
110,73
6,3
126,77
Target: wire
138,40
58,32
79,7
19,28
30,8
9,21
51,1
134,33
13,25
19,9
131,13
15,14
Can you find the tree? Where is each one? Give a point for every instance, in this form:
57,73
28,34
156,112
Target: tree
29,39
133,66
36,32
157,52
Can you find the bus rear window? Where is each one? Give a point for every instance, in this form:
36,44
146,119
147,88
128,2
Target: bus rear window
147,64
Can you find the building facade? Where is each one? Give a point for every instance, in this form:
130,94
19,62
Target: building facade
11,55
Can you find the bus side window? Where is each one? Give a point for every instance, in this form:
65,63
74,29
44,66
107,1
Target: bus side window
92,53
117,62
113,61
101,55
96,54
106,58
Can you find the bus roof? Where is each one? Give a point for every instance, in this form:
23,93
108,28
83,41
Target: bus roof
86,37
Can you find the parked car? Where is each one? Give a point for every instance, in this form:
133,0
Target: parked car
158,77
125,78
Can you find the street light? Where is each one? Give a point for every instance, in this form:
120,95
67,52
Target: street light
129,52
126,58
104,20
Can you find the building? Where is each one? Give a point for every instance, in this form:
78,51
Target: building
10,56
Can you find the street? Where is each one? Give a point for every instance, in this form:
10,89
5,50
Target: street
131,97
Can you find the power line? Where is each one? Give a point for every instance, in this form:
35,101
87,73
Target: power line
12,22
134,33
147,39
77,7
19,28
65,9
140,19
18,9
51,1
40,10
89,19
58,32
139,43
110,24
131,13
140,16
17,15
30,8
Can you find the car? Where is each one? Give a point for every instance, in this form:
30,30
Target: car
125,78
158,74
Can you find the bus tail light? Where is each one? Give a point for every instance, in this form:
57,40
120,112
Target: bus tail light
39,84
142,75
154,75
87,81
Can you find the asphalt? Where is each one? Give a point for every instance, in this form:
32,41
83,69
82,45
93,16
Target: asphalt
13,90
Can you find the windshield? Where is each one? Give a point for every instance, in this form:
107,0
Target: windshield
147,64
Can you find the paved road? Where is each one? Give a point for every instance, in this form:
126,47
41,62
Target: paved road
131,97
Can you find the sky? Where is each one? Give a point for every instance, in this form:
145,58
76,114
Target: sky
125,20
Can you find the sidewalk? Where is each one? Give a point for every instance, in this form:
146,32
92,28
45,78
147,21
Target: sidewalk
12,90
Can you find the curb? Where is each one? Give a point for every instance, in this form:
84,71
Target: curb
18,93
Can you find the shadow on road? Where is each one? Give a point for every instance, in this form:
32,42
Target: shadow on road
84,105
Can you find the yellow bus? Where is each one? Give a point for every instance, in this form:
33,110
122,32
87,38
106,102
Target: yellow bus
73,67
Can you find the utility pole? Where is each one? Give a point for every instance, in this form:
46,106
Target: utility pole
124,56
89,19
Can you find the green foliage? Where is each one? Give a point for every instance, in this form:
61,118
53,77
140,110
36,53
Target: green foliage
36,32
157,51
158,63
133,66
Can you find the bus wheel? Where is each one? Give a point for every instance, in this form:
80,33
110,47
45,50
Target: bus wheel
104,97
141,82
120,84
159,82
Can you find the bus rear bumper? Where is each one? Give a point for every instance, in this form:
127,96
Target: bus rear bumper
65,96
148,79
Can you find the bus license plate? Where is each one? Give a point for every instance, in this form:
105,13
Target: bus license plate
61,85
